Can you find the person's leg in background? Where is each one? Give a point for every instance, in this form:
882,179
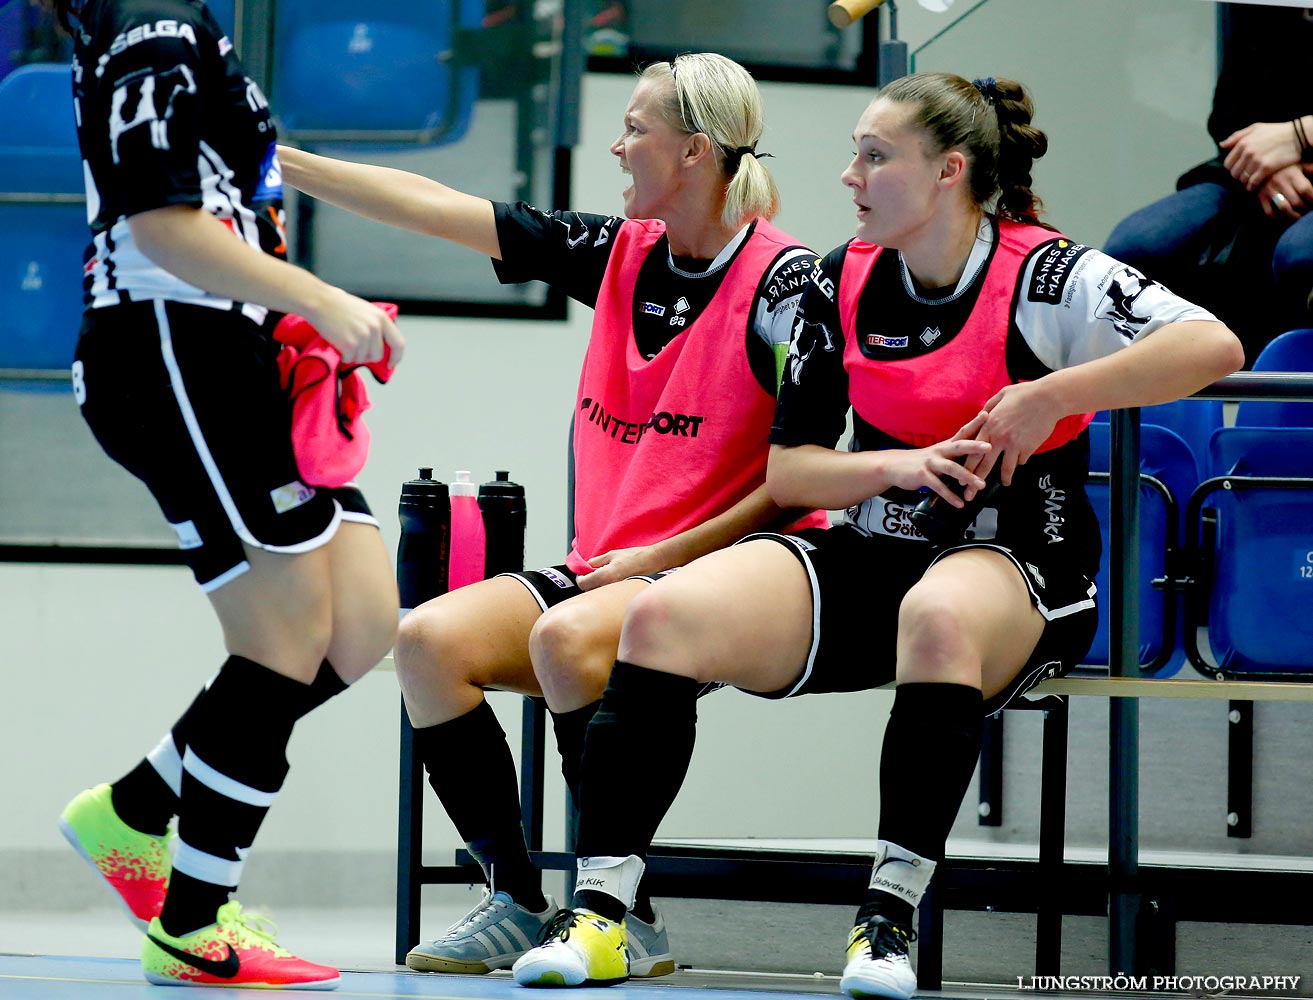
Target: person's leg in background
573,648
1212,245
449,650
1292,270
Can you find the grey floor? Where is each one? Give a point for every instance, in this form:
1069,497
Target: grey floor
798,947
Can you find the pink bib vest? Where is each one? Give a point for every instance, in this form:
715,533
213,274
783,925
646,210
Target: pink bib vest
926,399
664,445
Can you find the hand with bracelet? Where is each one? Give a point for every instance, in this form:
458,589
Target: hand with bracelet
1256,152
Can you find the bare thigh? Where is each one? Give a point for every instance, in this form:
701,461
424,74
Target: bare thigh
279,613
453,647
365,600
742,615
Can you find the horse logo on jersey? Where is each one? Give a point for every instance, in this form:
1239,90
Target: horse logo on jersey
1118,305
796,357
147,101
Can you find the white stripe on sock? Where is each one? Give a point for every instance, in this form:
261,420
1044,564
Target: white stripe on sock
206,867
168,765
223,784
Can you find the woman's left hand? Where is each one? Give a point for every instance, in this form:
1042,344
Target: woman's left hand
1257,151
620,564
1021,417
1288,192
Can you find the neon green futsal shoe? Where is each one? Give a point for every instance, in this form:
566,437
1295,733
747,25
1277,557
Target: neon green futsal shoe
579,948
135,865
238,950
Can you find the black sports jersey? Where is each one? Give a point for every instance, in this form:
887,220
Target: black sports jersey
167,117
570,250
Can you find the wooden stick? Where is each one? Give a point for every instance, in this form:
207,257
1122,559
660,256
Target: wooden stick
845,12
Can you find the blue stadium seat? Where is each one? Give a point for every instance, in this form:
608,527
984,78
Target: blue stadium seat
1168,474
386,75
41,197
1260,562
1290,352
225,13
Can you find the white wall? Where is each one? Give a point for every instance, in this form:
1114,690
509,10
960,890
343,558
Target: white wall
100,660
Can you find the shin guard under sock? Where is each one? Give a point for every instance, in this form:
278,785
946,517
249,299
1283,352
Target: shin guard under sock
233,768
641,707
486,811
931,746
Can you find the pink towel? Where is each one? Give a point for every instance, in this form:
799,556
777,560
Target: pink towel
329,400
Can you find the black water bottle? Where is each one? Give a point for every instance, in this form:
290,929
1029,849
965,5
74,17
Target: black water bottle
504,516
425,547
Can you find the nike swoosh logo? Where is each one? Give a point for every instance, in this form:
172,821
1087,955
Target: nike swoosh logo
227,969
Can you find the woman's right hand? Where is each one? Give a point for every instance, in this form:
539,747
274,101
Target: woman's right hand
358,329
915,468
1257,151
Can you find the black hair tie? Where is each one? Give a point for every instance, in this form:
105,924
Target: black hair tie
735,156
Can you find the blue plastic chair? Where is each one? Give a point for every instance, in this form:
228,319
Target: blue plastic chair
225,12
387,74
1168,474
42,197
1290,352
1260,563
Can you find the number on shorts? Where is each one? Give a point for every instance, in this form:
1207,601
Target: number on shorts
79,383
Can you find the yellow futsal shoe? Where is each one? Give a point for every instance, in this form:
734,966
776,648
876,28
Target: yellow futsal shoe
238,950
135,865
579,948
878,965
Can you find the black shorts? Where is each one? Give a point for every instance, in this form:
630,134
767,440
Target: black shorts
553,584
187,399
858,582
550,585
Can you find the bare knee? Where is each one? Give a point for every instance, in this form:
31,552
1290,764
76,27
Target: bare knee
934,640
664,631
423,645
572,656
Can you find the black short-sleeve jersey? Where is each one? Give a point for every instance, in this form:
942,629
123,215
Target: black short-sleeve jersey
570,251
1071,304
166,116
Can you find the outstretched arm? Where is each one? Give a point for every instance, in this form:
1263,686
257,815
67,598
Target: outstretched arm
196,247
395,197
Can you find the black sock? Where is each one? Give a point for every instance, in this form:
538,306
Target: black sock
648,708
571,728
931,746
643,906
327,684
145,801
233,767
601,903
486,813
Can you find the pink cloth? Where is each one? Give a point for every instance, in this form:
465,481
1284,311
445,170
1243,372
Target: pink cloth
663,445
926,399
329,436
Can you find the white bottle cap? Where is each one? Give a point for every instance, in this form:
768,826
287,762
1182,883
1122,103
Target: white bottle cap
462,487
